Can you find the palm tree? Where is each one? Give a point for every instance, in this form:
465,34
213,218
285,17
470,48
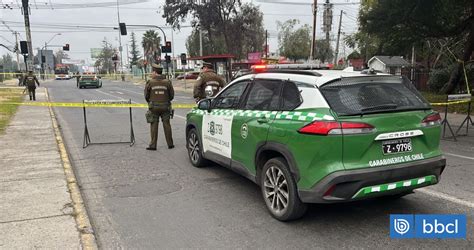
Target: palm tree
151,45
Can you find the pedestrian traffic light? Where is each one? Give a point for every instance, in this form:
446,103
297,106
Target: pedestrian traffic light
166,48
168,59
183,58
123,29
66,47
43,59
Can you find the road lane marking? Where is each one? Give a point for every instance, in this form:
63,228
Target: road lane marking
132,91
460,156
182,117
111,95
446,197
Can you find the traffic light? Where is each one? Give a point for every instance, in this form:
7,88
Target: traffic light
115,58
43,59
168,59
24,47
166,48
123,29
183,58
66,47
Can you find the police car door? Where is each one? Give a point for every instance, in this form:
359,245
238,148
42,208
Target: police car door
217,125
251,125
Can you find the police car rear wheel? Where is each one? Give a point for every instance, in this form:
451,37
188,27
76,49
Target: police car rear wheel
280,192
194,149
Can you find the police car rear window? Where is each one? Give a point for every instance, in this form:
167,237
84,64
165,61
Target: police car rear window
376,94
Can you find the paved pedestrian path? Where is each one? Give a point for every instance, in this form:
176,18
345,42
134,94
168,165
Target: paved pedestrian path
36,208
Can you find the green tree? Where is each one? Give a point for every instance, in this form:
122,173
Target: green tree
400,24
192,44
104,62
228,26
294,43
9,65
151,45
135,53
323,51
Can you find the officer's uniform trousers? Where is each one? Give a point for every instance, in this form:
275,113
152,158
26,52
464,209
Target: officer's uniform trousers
161,111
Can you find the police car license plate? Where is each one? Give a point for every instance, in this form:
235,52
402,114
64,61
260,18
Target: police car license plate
397,146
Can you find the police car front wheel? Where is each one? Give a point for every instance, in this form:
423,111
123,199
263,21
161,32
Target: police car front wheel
280,192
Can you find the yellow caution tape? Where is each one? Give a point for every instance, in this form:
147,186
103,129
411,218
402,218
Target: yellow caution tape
449,103
94,105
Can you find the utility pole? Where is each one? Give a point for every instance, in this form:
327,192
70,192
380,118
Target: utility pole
173,59
26,16
338,37
313,40
200,40
327,20
17,50
266,44
413,64
120,41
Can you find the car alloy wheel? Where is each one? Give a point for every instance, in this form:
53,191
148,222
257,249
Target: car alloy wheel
194,149
276,190
279,190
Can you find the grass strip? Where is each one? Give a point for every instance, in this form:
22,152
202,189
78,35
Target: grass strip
7,111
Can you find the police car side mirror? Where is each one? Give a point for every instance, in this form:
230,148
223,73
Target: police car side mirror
205,105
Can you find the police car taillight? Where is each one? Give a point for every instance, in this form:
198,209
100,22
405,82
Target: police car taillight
431,120
336,128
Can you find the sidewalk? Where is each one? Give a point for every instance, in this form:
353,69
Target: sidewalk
36,208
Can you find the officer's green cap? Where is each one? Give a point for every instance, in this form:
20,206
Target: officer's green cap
156,66
207,65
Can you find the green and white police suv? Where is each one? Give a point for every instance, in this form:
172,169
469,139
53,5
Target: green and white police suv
319,136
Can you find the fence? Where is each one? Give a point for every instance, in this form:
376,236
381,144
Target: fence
421,78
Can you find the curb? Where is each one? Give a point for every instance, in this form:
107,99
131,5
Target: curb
83,223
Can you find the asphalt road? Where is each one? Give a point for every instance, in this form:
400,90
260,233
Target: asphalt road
144,199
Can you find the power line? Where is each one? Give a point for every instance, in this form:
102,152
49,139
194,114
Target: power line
49,5
6,40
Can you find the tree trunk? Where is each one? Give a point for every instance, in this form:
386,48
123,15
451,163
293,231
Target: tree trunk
457,72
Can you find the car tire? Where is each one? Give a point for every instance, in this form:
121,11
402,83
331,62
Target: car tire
276,177
194,146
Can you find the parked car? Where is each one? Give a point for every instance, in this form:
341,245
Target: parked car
319,136
189,75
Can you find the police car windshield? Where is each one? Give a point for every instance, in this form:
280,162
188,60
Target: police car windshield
376,94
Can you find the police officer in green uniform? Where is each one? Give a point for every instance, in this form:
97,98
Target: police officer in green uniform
208,83
158,93
30,81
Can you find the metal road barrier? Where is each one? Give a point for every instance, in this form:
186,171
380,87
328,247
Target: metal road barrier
87,139
454,100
